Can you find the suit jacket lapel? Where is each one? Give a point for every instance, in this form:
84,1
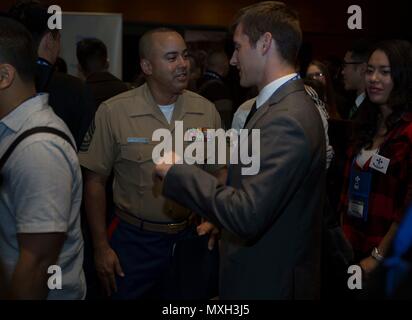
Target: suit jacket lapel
286,89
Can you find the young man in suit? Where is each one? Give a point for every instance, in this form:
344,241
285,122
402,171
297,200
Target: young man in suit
271,221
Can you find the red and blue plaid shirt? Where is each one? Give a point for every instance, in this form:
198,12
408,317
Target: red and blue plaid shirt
390,193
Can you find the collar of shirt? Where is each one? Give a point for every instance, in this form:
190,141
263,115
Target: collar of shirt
15,119
151,107
271,88
167,111
359,99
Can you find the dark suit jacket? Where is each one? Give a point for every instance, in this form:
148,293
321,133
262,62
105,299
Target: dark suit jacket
104,85
70,99
271,221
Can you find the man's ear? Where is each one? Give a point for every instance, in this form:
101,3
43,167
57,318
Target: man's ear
266,42
146,66
7,75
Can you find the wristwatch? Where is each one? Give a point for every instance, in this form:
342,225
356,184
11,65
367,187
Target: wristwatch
376,255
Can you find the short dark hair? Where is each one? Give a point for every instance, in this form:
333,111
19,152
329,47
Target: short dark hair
145,42
17,48
360,50
278,19
34,16
92,55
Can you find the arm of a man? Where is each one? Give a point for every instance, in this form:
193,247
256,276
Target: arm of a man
95,205
207,227
106,260
42,199
97,156
37,252
248,210
220,173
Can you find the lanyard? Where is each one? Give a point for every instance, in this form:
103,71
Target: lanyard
359,191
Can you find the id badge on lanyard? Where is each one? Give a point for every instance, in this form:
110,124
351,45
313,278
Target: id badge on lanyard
359,190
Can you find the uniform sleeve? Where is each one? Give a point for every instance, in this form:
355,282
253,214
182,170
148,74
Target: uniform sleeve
44,175
99,148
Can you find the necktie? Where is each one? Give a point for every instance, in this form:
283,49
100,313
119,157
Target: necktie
251,113
352,111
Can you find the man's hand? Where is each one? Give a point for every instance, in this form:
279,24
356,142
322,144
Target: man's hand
107,264
161,170
206,227
164,164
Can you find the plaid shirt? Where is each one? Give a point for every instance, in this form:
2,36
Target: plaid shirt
390,193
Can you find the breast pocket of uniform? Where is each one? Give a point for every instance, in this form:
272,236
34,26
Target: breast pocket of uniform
137,164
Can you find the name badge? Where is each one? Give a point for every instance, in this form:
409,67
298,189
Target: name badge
379,163
355,208
359,189
137,140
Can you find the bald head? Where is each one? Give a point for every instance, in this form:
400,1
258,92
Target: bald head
146,41
165,62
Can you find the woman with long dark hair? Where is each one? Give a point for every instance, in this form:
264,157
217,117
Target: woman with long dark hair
318,72
378,182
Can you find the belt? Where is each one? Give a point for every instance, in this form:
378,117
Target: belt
171,228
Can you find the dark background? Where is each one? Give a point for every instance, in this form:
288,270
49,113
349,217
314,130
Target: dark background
324,22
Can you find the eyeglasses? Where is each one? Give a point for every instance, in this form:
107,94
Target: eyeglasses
315,75
344,63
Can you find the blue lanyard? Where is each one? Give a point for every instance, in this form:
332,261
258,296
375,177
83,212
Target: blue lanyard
43,62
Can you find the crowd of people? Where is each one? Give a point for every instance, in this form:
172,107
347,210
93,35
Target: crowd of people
80,189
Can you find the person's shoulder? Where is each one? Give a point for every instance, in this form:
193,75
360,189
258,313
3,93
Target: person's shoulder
67,81
299,109
44,146
190,95
46,117
121,100
297,99
198,102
